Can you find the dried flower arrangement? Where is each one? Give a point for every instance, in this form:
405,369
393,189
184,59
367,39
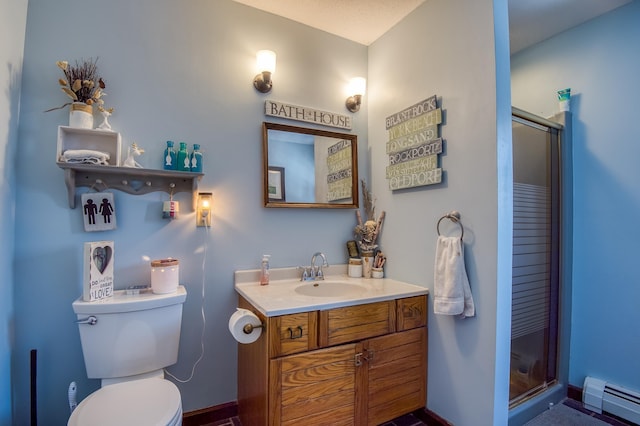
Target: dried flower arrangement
81,82
367,233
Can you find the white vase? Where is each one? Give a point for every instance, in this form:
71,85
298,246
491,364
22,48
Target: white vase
81,115
367,263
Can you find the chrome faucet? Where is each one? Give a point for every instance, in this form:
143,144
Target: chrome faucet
314,273
317,270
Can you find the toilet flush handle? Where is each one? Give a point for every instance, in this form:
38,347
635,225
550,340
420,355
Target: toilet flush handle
92,320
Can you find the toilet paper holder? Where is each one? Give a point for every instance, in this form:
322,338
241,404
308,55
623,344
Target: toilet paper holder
248,328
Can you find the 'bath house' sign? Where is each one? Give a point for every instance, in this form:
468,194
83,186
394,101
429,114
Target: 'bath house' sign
414,145
309,115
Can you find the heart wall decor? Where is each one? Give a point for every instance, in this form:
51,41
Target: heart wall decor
102,257
98,269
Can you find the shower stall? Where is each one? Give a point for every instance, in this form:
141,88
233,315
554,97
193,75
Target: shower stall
541,259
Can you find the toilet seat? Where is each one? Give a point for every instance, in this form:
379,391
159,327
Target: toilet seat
153,402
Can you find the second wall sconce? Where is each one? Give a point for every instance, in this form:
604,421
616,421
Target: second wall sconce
266,61
203,209
357,87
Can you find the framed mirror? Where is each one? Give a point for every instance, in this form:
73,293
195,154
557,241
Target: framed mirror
309,168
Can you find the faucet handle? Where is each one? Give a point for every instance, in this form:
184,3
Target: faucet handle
307,273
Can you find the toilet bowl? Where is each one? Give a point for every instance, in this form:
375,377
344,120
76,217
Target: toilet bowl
145,402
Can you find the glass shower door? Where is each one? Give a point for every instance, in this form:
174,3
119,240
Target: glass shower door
536,258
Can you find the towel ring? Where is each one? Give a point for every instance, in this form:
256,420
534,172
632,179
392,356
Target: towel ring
454,217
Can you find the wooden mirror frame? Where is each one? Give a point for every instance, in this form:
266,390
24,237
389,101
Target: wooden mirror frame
268,202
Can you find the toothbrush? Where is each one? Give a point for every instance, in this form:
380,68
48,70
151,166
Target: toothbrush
72,396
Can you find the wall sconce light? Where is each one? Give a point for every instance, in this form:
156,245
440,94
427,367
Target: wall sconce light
266,61
357,87
203,209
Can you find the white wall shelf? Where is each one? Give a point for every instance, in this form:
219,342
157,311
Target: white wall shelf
131,180
104,141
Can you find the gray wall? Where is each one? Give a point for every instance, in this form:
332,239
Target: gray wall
440,49
12,28
182,72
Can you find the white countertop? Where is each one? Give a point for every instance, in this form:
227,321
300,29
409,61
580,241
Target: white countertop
280,297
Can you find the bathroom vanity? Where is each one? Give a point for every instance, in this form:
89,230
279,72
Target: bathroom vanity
340,351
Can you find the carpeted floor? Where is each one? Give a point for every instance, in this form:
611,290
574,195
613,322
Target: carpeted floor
567,413
572,413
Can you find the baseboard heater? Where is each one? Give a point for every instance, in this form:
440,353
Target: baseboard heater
600,395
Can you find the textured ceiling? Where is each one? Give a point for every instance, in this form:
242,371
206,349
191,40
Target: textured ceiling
531,21
363,21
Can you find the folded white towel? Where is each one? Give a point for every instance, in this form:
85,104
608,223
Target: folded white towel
85,156
452,292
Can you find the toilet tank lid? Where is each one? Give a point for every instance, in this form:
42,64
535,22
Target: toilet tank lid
123,302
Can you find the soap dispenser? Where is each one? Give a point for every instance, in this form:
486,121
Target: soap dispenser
264,270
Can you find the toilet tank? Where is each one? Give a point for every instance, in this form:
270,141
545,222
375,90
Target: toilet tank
133,334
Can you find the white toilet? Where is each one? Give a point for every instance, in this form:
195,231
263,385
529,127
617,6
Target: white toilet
127,340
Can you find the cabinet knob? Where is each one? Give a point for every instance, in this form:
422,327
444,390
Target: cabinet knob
361,356
357,359
298,333
369,356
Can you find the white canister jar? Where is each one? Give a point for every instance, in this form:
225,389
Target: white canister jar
165,275
355,268
377,273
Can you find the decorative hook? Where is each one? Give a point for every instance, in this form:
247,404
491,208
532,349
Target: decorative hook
98,182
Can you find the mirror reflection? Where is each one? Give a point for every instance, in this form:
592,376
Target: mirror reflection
309,168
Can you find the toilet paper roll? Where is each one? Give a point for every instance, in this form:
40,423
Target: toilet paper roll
240,319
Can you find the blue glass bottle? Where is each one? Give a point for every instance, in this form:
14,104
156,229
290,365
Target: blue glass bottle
183,158
170,157
196,159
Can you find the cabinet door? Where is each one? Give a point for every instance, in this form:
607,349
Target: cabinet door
396,375
314,388
352,323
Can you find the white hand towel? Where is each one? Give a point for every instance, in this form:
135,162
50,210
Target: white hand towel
452,292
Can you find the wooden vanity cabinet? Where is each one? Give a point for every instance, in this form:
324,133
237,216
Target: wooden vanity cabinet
357,365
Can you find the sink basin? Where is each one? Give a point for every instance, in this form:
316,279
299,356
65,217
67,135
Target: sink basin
329,289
